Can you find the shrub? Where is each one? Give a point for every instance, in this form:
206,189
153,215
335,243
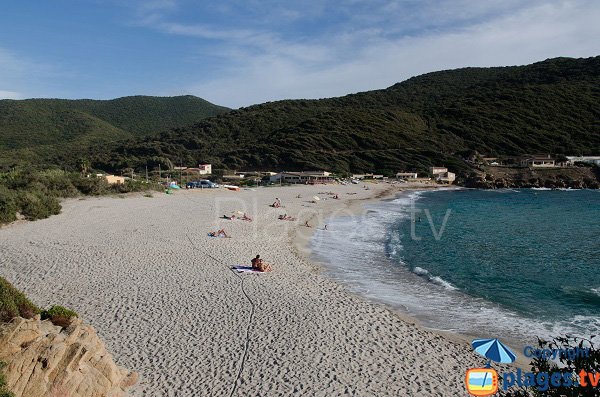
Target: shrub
8,205
59,315
36,205
13,303
3,390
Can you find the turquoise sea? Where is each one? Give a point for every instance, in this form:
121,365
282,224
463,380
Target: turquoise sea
515,264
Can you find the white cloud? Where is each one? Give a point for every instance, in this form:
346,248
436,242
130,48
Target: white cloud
4,94
12,72
364,60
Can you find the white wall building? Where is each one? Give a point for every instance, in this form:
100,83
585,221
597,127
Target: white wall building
584,159
406,175
302,177
204,169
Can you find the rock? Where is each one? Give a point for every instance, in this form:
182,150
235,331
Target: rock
46,360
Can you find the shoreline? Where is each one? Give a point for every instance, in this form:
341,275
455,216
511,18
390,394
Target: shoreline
140,271
302,247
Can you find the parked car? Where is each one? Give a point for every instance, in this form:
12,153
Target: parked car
201,184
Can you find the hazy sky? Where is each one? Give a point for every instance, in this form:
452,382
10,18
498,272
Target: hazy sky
237,53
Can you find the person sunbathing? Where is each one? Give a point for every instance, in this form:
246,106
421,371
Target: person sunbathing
246,218
219,233
286,218
306,224
231,218
260,265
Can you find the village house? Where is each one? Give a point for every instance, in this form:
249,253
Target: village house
441,174
583,159
538,162
367,176
406,175
114,180
304,177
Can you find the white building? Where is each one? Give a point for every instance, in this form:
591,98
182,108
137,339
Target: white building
205,169
406,175
446,177
437,170
584,159
538,162
305,177
367,176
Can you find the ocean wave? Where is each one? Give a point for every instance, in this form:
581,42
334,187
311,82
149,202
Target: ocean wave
541,188
433,279
596,291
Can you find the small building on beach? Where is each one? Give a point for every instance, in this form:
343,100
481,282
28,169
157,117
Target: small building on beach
114,180
583,159
538,162
441,174
367,176
437,170
303,177
406,175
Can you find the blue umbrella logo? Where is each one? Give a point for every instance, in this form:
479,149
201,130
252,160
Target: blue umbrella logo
494,350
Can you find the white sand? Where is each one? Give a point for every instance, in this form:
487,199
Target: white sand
141,270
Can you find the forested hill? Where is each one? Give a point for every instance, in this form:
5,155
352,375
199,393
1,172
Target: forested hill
38,130
547,107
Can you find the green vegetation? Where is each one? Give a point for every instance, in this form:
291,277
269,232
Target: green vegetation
13,303
35,194
434,119
50,131
59,315
3,390
437,118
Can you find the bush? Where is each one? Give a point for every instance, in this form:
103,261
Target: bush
3,390
91,186
59,315
131,186
13,303
8,205
36,205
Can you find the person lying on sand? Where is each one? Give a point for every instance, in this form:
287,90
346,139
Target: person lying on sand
286,218
231,218
260,265
219,233
246,218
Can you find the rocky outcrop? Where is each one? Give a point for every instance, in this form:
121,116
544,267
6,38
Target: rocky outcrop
47,360
501,178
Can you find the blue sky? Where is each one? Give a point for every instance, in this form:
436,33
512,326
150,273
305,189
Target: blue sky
238,53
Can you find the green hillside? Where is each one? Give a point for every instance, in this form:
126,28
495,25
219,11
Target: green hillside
437,118
44,130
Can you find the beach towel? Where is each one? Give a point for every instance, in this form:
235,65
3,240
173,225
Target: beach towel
245,269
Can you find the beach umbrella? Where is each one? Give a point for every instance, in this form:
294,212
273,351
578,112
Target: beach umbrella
494,350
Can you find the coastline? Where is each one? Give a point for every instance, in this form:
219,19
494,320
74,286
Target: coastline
161,295
359,208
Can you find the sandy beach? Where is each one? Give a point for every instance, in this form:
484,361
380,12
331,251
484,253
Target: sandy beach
163,297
